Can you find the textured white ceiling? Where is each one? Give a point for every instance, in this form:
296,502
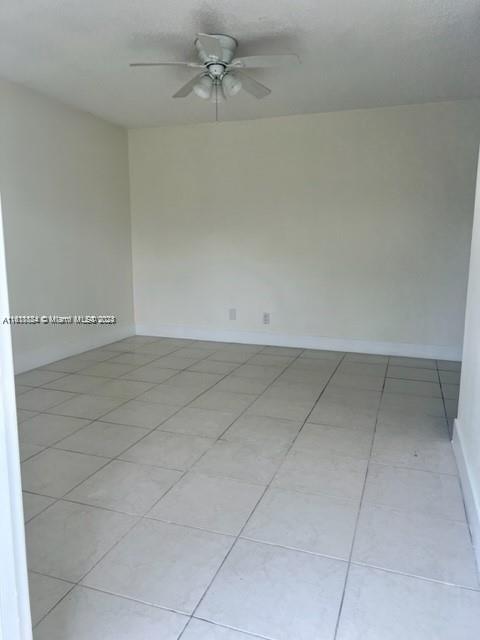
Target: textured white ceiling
355,53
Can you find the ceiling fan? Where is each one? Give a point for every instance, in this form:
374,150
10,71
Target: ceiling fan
222,75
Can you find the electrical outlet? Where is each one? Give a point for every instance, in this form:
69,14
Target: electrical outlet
266,317
232,314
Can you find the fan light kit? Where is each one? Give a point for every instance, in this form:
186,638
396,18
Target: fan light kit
222,74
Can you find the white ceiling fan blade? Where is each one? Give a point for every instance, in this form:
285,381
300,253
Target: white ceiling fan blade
258,62
210,45
255,88
188,88
166,64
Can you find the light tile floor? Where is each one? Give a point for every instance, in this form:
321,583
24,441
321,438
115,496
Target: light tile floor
207,491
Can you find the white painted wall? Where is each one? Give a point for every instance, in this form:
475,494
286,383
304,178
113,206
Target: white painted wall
351,228
466,438
64,185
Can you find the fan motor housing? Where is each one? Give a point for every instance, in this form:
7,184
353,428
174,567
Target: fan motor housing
228,45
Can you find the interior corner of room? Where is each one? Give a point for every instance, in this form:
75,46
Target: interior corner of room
351,229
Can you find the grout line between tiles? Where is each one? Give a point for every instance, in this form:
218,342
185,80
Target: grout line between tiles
138,518
264,492
342,600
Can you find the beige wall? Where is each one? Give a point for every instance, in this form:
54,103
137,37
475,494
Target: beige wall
64,187
351,228
466,438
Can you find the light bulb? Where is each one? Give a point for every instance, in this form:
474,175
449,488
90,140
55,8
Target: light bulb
231,85
203,88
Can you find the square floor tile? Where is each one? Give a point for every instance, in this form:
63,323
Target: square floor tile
242,461
388,606
307,391
45,429
42,399
408,449
98,355
125,486
413,387
53,472
90,615
162,564
126,389
357,381
337,413
169,450
39,377
363,368
397,423
108,369
76,383
166,394
86,406
330,474
102,439
357,398
307,522
260,372
137,359
430,493
276,593
355,443
172,361
217,504
235,384
212,366
420,363
201,630
45,592
250,428
224,401
194,380
234,356
141,414
275,407
416,544
67,539
67,365
150,373
199,422
34,504
412,373
412,404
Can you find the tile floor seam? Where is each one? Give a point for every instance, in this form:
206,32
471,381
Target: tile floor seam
265,490
358,563
342,600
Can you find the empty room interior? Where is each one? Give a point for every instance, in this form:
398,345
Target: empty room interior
240,382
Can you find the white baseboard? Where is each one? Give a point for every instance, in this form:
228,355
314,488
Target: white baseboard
472,501
305,342
93,337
